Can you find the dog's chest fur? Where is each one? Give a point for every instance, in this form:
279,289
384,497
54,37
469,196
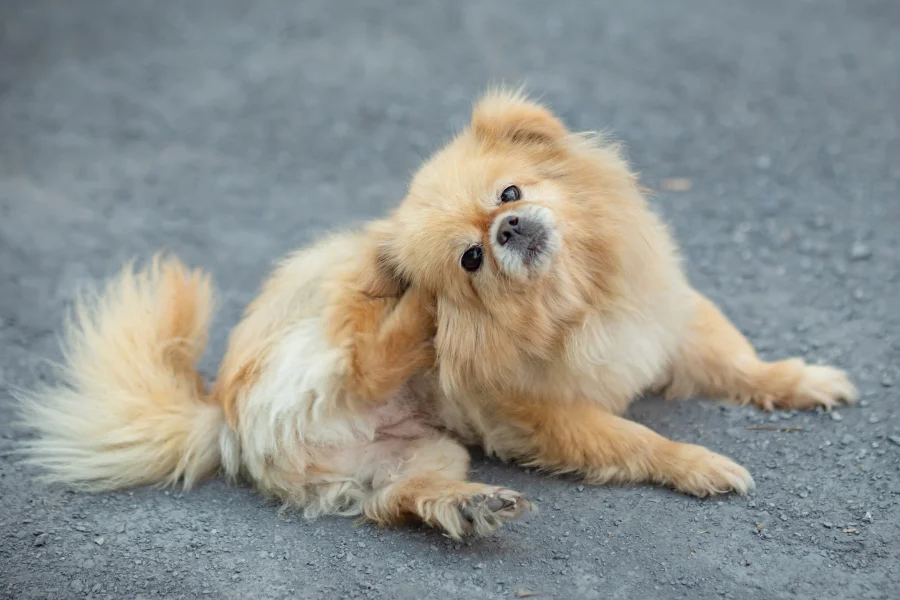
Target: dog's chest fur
610,359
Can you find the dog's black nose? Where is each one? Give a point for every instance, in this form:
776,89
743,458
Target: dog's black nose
508,229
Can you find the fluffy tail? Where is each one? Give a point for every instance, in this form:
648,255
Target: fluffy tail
130,408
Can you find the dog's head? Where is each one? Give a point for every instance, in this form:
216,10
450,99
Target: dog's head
516,227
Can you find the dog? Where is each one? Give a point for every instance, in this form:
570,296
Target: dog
519,297
560,297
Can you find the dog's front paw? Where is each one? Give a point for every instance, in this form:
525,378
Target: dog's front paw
697,471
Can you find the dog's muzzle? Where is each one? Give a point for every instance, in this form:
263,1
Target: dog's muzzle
524,239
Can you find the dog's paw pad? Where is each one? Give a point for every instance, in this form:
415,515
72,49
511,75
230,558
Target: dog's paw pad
486,511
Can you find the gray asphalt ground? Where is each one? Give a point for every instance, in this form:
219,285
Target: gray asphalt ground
231,132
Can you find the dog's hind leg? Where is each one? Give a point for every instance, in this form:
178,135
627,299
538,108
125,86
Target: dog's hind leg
716,360
427,482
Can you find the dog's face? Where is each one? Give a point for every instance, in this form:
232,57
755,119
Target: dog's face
515,227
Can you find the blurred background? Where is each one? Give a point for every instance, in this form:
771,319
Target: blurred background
232,132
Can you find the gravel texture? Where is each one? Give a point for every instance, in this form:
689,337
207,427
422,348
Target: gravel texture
233,131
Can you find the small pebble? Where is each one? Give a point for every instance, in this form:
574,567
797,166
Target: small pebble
847,439
895,439
860,251
99,540
41,540
827,524
836,416
868,518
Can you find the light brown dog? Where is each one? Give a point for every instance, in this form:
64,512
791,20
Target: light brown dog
520,297
560,298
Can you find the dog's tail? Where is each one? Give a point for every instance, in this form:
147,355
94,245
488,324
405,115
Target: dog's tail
130,408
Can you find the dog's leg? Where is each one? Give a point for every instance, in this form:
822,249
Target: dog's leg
716,360
385,339
585,439
428,484
388,341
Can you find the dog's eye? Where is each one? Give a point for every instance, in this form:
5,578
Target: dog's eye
472,258
510,194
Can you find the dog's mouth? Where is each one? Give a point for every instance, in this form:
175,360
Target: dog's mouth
535,250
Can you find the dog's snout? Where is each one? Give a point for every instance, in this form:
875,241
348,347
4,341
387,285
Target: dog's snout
520,231
523,240
509,228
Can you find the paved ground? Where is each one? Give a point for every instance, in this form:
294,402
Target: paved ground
233,131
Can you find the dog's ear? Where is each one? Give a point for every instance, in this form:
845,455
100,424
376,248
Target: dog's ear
381,277
503,115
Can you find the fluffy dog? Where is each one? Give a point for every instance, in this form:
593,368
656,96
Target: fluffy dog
560,298
520,297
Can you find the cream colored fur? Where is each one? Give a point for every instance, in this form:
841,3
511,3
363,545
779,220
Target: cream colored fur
361,351
538,353
130,410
